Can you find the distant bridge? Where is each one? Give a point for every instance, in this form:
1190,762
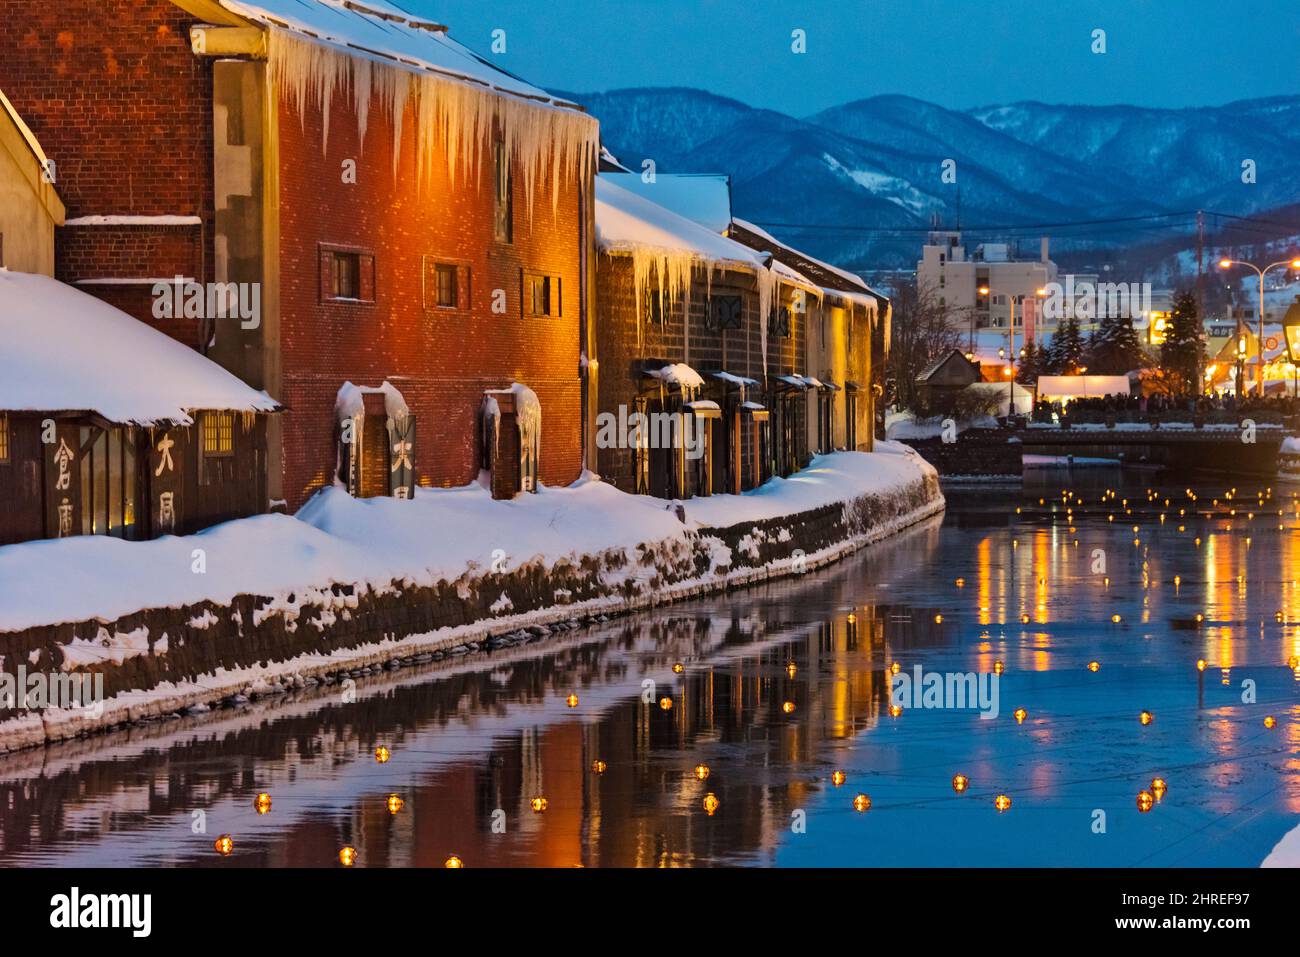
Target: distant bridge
1239,448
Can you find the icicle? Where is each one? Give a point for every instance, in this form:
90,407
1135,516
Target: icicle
451,116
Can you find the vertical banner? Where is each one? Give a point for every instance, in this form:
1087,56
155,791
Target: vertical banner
401,456
63,481
167,449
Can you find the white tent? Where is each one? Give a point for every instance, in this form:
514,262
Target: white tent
1063,388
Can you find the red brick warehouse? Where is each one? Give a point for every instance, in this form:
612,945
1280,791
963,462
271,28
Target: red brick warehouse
415,220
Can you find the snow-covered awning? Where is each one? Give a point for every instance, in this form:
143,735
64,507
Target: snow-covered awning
793,381
62,350
677,374
732,379
704,409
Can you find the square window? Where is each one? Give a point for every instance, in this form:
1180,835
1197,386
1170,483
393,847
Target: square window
346,275
218,434
542,295
725,312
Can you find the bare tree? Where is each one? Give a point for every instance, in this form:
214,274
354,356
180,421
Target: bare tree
923,330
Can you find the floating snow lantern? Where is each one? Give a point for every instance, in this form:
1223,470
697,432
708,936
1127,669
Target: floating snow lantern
382,754
711,803
938,619
788,707
792,669
1146,717
1200,662
599,766
453,863
895,710
1002,803
960,782
861,803
571,701
223,845
895,668
838,778
1145,801
347,856
678,667
1020,714
701,771
666,703
1158,788
1094,666
1270,722
1024,619
998,667
538,804
262,803
961,583
394,803
1116,619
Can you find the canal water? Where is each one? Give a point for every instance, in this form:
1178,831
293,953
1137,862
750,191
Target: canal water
759,697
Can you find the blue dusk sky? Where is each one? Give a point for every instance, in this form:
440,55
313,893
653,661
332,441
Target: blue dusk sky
957,53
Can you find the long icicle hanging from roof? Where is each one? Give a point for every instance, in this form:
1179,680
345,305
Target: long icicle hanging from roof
458,117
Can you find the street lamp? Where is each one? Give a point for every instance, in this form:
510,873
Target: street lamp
1291,335
1010,353
1228,264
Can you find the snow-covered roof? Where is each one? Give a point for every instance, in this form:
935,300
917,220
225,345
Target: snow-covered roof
833,279
65,350
677,374
627,223
704,198
381,29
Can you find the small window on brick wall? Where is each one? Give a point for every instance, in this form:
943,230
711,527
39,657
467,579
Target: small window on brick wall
541,295
446,285
218,434
4,437
346,275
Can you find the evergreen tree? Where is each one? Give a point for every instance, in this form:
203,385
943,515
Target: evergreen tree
1114,349
1182,351
1031,365
1066,352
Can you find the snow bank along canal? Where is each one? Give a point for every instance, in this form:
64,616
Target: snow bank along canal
263,604
759,697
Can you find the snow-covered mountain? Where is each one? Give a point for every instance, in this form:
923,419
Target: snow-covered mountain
873,169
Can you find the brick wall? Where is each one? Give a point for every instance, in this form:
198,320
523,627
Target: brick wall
441,360
738,351
123,108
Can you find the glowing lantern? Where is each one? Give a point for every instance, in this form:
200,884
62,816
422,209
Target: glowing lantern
961,583
539,805
1270,721
1024,619
347,856
895,710
262,803
895,668
1199,617
852,618
1116,619
838,778
1020,714
1293,662
938,619
678,668
382,754
1146,717
861,803
223,845
599,766
1200,664
571,701
666,703
792,669
788,707
711,803
453,863
998,667
1002,803
1145,801
1158,788
1094,666
701,771
960,782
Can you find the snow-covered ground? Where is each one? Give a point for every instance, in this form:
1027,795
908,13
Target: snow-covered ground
438,535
